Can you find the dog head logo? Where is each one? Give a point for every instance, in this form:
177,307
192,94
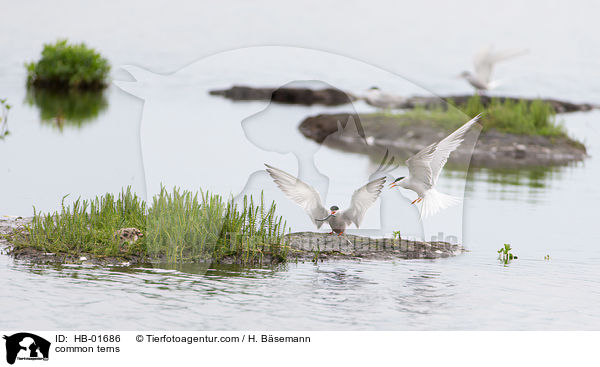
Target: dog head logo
26,346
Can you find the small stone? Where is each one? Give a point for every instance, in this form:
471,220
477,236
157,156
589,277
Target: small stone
520,151
83,258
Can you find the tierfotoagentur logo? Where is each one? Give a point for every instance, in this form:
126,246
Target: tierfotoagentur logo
26,346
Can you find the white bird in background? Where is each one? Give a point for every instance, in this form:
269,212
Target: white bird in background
483,63
310,200
424,169
375,97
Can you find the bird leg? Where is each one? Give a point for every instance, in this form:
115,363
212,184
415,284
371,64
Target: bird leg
331,232
417,200
341,233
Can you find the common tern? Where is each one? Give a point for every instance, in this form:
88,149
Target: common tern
424,169
310,200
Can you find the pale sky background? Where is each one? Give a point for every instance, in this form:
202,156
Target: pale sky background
418,40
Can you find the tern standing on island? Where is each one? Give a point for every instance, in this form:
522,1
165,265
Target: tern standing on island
310,200
424,169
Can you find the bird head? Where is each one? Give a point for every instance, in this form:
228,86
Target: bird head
396,182
371,93
334,209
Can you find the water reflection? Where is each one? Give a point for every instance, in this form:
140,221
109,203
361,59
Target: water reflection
208,269
533,177
73,108
523,184
469,292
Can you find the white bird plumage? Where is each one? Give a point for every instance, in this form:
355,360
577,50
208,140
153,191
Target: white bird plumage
375,97
310,200
424,170
483,64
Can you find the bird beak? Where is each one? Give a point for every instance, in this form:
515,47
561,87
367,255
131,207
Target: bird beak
333,212
393,184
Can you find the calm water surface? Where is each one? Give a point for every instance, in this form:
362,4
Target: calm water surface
540,211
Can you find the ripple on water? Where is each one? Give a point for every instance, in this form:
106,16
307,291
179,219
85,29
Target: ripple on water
472,291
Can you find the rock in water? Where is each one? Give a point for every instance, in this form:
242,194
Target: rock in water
306,245
302,96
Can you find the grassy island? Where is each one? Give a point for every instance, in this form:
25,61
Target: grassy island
68,66
521,117
178,226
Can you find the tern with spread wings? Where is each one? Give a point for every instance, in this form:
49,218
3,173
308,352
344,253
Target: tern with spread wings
483,63
310,200
424,169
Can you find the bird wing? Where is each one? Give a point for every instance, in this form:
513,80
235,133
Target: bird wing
301,193
419,165
427,164
446,146
486,58
483,64
362,199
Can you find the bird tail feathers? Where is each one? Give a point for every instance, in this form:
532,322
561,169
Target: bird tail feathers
434,201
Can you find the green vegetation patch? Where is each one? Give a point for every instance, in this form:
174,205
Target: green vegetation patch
68,66
520,117
505,255
178,226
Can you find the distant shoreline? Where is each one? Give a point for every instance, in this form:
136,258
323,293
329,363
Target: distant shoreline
336,97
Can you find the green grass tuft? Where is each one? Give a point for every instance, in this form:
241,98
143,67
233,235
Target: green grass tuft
86,225
515,117
505,255
179,226
182,226
68,66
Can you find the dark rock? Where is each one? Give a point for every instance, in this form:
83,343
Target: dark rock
520,151
321,126
493,149
302,96
312,246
